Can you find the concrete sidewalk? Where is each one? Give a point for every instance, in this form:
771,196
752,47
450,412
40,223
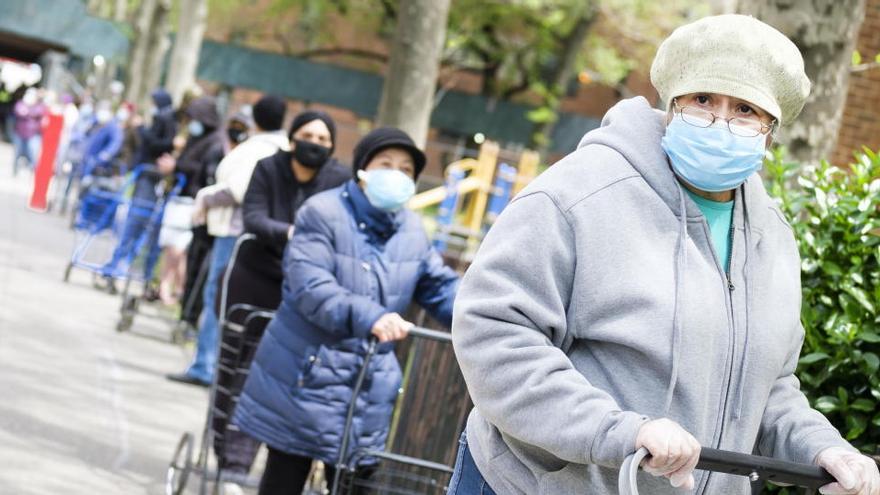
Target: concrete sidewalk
84,409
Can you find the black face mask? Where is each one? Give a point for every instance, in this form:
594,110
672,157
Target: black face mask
236,135
309,154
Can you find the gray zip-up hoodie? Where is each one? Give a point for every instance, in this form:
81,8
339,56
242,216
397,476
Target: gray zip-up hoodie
594,305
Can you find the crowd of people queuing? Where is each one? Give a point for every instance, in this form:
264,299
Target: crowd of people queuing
603,313
334,251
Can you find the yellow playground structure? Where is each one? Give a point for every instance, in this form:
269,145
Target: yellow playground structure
474,193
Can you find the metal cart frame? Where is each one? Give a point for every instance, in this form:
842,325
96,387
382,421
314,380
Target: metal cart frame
757,468
347,463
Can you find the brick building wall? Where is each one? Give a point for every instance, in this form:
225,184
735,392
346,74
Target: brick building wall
861,115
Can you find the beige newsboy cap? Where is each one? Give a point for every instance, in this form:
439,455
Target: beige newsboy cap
734,55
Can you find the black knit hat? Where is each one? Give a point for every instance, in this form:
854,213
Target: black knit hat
269,113
384,138
312,115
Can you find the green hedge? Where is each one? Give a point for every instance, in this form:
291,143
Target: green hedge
835,216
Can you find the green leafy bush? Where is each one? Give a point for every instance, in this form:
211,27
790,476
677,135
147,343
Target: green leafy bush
835,216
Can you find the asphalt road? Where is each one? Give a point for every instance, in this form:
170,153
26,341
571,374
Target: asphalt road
83,409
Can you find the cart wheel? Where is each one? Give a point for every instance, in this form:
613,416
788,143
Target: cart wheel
178,333
67,272
125,322
129,304
72,222
180,467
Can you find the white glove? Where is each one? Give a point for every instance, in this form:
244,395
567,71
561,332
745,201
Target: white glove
674,452
855,473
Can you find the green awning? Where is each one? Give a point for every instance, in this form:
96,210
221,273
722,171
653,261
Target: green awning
360,91
66,24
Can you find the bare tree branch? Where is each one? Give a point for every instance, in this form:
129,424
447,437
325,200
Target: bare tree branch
330,51
864,67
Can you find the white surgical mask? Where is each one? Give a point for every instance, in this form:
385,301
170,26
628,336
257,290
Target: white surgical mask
386,189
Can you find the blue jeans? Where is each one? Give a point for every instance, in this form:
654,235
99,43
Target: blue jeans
130,242
27,148
467,480
202,367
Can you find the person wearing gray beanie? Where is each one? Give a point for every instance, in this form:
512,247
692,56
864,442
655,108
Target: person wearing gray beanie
643,295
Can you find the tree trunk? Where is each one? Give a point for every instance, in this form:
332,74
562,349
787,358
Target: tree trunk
150,45
156,50
135,75
187,44
120,10
563,73
825,31
408,92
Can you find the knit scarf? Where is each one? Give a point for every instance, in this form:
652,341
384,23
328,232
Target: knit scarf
379,225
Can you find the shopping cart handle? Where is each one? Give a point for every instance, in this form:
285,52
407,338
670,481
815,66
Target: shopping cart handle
753,466
427,333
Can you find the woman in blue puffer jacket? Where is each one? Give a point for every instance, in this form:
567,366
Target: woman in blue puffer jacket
357,259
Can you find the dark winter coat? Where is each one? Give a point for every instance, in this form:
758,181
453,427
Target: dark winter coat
272,199
199,159
159,137
343,269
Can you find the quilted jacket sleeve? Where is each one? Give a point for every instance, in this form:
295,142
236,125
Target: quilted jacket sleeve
436,288
309,268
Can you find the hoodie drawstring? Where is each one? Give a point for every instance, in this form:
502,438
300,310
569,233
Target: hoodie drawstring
680,262
746,266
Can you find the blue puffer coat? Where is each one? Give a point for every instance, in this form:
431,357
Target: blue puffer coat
347,264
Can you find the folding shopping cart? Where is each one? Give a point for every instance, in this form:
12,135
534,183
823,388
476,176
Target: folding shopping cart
389,473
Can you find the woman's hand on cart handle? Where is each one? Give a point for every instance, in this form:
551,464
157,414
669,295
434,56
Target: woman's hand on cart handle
673,451
856,474
390,327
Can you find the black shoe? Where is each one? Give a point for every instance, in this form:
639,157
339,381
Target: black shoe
184,378
151,294
107,284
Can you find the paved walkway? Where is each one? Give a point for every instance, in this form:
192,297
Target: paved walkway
84,409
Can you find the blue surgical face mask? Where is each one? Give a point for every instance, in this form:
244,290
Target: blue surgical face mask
196,128
387,190
712,158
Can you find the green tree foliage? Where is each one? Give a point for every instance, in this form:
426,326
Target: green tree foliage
515,45
834,214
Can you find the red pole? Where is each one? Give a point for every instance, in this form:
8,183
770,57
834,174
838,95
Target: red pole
52,125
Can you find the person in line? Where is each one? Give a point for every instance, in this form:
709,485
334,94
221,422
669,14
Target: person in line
156,164
220,206
645,292
27,136
240,127
103,144
130,121
183,243
99,169
357,260
279,185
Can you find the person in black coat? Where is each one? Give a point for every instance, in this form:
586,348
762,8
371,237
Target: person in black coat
280,184
157,139
186,250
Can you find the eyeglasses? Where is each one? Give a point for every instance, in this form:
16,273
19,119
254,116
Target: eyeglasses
737,126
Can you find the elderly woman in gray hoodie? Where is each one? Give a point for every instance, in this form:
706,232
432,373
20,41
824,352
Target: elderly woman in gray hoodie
645,292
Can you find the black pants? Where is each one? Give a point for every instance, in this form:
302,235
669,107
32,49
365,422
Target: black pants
236,450
197,254
286,474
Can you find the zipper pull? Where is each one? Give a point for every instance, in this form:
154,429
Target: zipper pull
730,285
